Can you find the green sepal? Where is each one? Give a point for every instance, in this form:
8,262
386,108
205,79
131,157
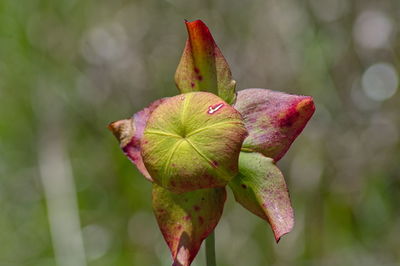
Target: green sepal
186,219
202,66
261,188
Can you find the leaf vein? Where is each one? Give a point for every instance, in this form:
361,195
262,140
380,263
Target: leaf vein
212,126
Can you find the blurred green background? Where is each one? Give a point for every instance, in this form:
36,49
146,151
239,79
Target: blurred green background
69,197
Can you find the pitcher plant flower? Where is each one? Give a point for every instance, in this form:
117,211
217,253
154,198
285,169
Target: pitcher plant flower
193,145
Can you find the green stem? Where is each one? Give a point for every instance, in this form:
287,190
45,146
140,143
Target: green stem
210,250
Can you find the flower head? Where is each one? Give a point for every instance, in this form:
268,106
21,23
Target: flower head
192,145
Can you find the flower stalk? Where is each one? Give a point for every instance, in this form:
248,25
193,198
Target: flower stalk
210,250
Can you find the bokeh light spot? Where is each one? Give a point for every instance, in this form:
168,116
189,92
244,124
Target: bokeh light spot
372,29
380,81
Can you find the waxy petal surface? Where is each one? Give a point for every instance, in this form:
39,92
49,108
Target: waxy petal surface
273,119
261,188
192,141
202,66
186,219
129,132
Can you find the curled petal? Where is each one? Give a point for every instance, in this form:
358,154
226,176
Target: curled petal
261,188
202,66
273,119
129,132
186,219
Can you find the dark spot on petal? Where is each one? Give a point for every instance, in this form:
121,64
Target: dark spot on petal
192,84
201,220
290,118
252,119
215,164
244,186
187,217
200,78
209,180
196,70
196,208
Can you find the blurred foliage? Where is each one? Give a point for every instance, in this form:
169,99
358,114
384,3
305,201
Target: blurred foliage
69,67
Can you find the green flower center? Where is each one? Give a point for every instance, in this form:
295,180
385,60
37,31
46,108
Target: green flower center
192,141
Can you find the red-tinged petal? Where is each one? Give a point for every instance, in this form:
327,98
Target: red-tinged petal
202,66
186,219
273,119
261,188
129,132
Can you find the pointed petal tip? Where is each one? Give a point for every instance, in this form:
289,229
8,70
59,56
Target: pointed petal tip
113,126
306,106
122,130
196,22
198,29
279,234
184,256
